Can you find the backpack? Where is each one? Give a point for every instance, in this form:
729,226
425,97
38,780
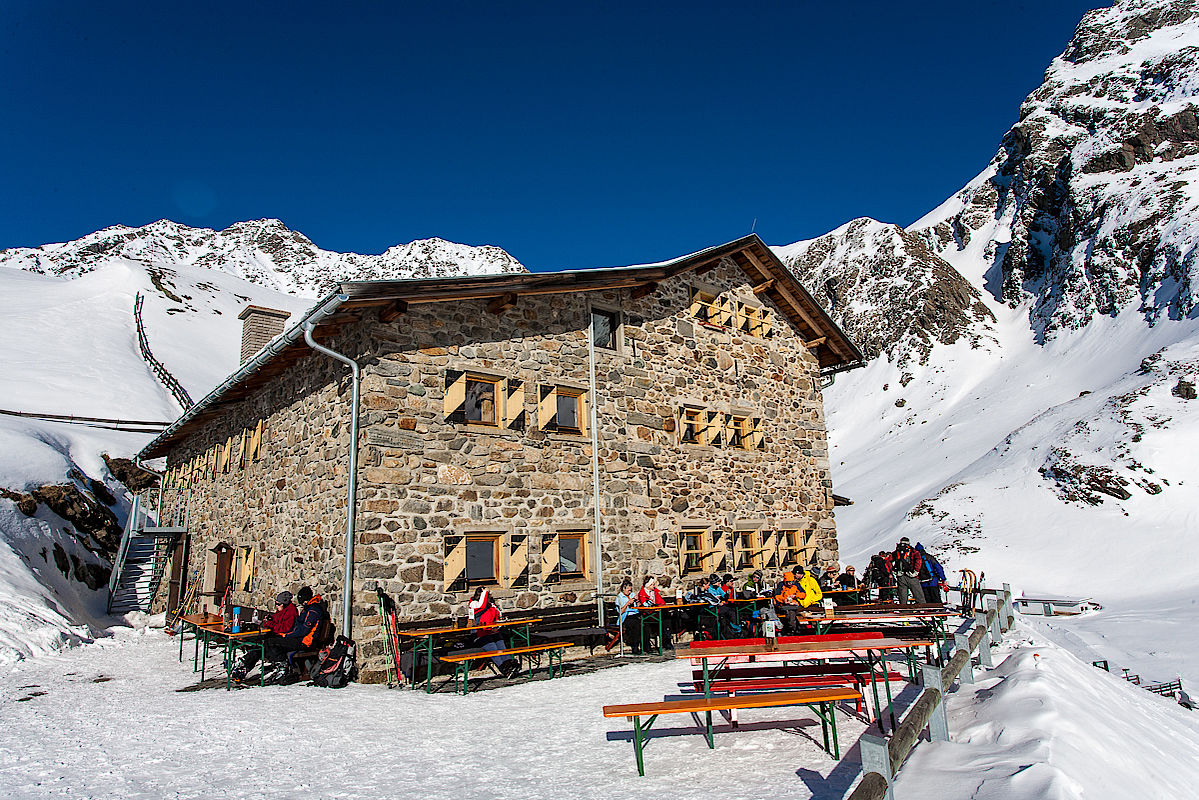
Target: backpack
335,666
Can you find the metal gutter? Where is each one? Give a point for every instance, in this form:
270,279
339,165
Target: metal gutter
319,312
347,595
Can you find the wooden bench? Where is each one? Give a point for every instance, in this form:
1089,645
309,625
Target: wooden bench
773,677
822,701
462,661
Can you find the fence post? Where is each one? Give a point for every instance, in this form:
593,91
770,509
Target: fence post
1005,607
984,647
938,721
966,676
876,757
993,607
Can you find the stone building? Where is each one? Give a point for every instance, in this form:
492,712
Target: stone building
477,418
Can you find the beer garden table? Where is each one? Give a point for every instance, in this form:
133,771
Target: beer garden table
800,651
657,613
424,640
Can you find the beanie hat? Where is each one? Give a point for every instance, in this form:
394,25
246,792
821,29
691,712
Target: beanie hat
283,598
304,595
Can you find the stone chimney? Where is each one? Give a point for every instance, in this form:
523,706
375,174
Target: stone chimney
259,325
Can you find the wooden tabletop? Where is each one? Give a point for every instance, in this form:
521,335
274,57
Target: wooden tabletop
800,648
667,606
883,617
766,699
468,628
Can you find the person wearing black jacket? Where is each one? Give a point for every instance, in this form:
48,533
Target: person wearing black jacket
847,580
303,636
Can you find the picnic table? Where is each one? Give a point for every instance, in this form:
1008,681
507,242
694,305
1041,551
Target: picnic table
651,613
874,650
211,627
934,618
423,640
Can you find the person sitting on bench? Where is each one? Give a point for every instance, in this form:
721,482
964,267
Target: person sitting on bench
279,623
629,618
303,636
484,612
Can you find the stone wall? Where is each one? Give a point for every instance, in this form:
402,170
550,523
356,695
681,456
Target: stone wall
422,477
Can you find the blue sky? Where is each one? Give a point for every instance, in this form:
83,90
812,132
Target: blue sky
572,135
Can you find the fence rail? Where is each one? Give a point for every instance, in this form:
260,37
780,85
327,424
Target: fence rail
134,425
881,759
164,375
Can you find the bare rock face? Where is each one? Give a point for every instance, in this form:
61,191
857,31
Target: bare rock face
86,513
1085,209
263,251
888,290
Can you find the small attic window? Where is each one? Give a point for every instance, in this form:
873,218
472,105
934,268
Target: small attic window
605,328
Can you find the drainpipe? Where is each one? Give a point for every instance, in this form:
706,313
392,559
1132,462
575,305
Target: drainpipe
352,500
595,482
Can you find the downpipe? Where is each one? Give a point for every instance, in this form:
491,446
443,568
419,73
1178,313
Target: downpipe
352,499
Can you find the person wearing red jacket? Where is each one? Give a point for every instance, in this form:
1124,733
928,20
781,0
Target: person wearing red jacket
484,612
650,596
283,619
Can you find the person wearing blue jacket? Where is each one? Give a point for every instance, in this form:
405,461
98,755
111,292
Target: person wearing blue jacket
725,613
932,575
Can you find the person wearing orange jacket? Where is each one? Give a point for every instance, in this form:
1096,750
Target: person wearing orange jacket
786,603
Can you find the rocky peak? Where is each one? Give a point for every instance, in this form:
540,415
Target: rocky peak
888,290
1084,209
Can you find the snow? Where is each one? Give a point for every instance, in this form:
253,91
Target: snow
1040,724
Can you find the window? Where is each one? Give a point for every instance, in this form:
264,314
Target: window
739,429
745,550
605,328
753,320
562,409
701,426
691,424
572,554
692,547
709,307
471,559
796,547
486,400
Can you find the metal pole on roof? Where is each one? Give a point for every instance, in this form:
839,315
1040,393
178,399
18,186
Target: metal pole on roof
352,500
595,481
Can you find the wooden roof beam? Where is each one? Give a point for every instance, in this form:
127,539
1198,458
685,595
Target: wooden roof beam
393,311
815,343
502,303
764,287
644,290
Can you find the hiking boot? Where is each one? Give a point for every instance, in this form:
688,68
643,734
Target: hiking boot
510,668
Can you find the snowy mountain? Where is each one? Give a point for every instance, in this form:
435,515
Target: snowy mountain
1045,439
889,291
265,252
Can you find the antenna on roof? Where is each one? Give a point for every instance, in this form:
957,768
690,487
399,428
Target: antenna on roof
754,226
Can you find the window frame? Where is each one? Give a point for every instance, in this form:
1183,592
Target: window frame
497,565
549,394
703,537
745,546
583,562
616,336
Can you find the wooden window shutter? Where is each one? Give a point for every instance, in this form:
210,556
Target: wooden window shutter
770,550
551,562
226,455
724,311
454,571
517,573
767,324
210,463
241,448
697,304
584,415
720,551
256,442
714,424
514,406
455,395
756,440
547,407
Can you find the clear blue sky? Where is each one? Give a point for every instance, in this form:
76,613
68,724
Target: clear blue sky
572,135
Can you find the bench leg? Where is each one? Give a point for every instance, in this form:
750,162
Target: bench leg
832,718
638,743
711,740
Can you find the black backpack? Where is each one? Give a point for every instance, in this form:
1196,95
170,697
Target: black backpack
336,666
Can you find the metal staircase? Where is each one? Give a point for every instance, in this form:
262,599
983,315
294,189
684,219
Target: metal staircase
156,521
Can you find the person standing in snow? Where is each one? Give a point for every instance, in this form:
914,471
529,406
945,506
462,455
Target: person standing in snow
932,575
878,575
484,612
907,572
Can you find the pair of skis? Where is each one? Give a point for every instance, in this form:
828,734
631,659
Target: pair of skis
391,638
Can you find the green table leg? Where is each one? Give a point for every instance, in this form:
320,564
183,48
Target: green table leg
832,716
878,713
428,664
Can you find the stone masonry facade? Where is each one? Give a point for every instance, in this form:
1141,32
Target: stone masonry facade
426,481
